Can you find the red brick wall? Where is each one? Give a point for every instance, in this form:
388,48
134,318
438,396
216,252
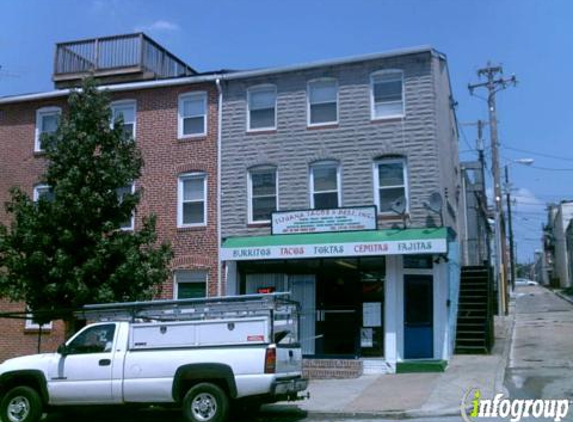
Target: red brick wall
165,158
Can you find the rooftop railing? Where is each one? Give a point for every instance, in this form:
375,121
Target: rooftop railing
117,55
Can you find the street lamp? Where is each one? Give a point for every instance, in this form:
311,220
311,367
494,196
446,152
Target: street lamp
525,162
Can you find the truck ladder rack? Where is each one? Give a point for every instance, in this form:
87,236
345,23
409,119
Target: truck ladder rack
275,304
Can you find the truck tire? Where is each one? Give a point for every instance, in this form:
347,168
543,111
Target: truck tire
205,402
21,404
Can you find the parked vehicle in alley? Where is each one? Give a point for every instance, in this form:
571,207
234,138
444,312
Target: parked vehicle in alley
525,282
202,354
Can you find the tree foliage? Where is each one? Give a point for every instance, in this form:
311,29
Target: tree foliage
67,249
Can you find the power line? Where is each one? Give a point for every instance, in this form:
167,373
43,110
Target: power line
538,153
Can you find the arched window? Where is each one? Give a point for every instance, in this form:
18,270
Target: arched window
262,193
324,185
390,184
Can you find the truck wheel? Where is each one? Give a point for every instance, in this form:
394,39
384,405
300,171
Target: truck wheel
205,402
21,404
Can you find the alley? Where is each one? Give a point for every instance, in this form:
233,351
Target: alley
541,359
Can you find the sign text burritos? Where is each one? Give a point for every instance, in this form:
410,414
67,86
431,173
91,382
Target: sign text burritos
328,220
341,249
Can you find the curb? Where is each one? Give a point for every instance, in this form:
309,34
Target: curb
499,380
393,415
563,296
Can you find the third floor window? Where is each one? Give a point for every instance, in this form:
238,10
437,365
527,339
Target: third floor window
125,110
192,115
322,102
387,94
47,120
261,114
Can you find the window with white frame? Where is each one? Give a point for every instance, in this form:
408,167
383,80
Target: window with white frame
192,115
390,183
190,284
30,324
121,193
44,192
47,120
387,94
262,192
322,102
192,200
262,106
127,110
325,185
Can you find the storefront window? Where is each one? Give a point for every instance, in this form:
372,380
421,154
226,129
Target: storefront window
342,301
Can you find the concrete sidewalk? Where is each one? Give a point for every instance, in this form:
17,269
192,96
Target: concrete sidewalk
415,395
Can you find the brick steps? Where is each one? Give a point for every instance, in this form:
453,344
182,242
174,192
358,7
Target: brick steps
332,368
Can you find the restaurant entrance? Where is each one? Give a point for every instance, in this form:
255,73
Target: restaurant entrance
342,301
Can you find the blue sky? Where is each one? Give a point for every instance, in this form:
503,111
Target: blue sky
530,38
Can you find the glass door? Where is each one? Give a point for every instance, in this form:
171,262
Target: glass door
303,288
337,316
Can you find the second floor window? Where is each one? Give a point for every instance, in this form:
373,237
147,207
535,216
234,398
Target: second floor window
322,102
47,120
324,185
192,202
262,191
262,108
387,94
126,110
390,184
192,120
44,192
121,192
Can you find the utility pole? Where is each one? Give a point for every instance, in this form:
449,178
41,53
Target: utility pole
481,158
494,84
510,223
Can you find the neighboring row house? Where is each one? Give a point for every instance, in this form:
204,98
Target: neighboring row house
338,181
557,245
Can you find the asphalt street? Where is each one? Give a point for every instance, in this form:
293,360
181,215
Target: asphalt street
541,358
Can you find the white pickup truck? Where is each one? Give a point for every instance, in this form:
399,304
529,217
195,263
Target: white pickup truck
202,355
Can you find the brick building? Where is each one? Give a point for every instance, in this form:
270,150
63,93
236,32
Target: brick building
175,124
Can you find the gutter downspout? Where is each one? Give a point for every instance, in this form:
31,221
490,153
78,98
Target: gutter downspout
219,134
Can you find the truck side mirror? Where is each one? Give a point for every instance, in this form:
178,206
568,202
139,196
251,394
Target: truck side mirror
63,349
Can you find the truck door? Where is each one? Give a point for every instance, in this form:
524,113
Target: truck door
83,374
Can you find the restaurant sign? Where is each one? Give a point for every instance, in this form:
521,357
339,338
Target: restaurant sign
342,249
327,220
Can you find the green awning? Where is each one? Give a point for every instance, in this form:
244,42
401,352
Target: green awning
336,244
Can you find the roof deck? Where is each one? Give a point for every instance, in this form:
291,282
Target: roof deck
115,59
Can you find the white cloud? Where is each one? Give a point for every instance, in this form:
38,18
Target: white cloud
160,25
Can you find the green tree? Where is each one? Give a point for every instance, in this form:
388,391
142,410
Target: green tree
67,248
